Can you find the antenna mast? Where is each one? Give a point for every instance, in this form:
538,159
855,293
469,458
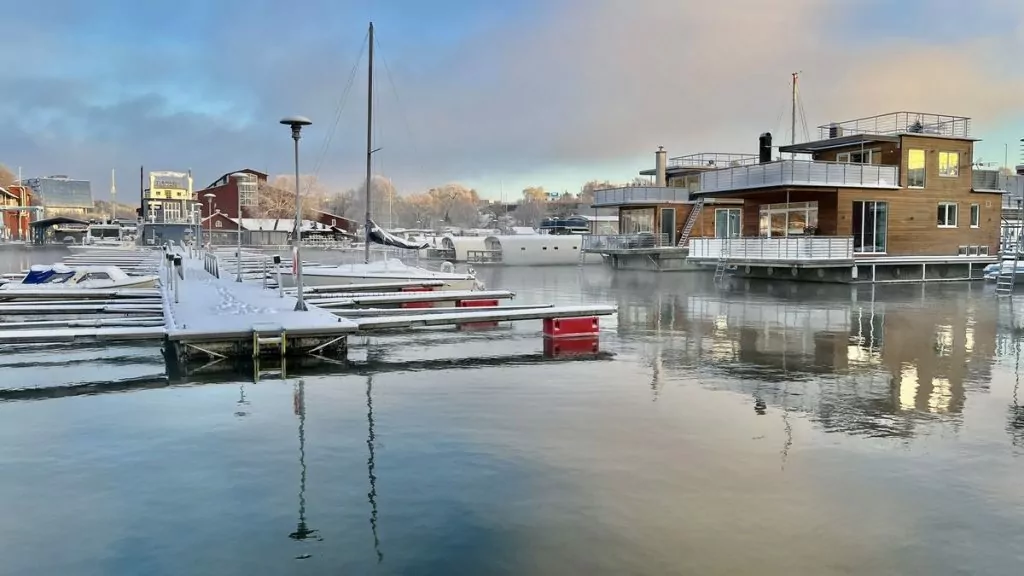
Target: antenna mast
113,195
792,140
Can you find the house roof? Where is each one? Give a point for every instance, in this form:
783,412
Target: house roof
259,175
336,216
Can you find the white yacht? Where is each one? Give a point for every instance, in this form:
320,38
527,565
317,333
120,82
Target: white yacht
389,270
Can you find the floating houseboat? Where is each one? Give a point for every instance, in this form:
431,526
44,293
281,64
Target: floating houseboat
656,224
889,198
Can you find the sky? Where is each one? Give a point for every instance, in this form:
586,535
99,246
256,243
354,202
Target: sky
494,95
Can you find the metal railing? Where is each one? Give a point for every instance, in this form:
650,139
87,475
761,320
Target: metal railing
895,123
641,241
800,173
483,256
789,248
711,159
639,195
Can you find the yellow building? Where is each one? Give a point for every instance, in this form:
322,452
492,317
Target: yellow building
169,198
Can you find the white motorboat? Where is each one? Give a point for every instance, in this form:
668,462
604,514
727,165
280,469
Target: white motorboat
992,271
105,237
60,276
389,270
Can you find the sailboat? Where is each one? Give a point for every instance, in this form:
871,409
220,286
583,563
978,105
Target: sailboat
387,270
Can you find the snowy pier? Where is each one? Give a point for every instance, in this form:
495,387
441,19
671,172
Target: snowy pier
201,313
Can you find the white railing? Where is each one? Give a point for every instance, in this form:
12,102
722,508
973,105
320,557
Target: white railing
641,241
895,123
790,248
800,173
640,195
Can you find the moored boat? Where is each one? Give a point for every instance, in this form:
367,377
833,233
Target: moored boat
389,270
60,276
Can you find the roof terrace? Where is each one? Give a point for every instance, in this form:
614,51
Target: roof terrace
897,123
712,160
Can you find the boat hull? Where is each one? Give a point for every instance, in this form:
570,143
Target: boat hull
310,278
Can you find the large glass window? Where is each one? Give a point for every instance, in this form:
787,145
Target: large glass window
727,223
869,227
949,164
975,215
793,219
636,221
915,168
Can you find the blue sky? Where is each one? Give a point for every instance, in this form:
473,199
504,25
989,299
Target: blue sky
497,95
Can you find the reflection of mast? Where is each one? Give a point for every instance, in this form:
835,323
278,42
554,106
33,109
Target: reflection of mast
372,494
302,531
789,437
1015,425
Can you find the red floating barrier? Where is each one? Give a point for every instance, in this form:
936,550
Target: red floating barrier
577,346
470,326
570,327
475,303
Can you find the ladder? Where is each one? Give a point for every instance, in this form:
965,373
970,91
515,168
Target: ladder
583,250
1007,277
266,335
723,262
684,237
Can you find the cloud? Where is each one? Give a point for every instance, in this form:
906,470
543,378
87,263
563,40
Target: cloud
562,87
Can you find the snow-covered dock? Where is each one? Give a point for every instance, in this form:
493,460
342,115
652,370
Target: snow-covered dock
201,312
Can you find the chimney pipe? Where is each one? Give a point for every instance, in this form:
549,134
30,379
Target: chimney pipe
659,167
764,148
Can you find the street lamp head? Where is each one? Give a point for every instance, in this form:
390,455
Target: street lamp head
209,196
296,122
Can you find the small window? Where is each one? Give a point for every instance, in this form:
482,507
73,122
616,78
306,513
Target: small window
544,248
947,214
523,248
915,168
218,224
843,157
975,216
949,164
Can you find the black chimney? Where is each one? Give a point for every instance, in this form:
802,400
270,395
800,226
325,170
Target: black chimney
764,148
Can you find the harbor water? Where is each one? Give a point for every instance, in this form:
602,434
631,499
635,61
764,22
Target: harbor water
764,428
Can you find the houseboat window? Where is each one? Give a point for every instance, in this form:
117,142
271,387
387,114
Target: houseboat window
947,214
915,168
727,223
949,164
636,221
975,215
869,227
860,157
793,219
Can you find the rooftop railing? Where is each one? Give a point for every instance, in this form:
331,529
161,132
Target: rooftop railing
640,195
711,160
800,173
895,123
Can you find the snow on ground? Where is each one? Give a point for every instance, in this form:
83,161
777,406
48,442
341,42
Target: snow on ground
220,304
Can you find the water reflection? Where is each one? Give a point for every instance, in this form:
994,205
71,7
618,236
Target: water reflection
302,530
861,360
370,463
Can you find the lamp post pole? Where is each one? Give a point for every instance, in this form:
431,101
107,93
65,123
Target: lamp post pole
239,177
209,210
296,123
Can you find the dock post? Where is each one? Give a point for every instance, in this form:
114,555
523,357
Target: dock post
175,273
277,270
265,271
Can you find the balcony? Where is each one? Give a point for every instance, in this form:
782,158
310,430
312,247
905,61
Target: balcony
896,123
625,242
711,160
800,173
789,250
640,195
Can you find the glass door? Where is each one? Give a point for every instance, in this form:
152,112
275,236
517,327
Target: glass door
668,224
869,227
727,223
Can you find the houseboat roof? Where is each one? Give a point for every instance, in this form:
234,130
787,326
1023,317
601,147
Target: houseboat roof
702,162
884,128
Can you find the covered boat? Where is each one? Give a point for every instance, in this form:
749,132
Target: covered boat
388,270
60,276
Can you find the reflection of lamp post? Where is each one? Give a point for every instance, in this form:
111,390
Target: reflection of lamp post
296,123
209,210
302,530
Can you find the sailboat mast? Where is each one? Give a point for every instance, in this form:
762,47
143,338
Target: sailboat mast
113,195
369,146
792,138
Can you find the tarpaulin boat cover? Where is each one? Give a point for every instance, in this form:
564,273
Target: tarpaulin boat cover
380,236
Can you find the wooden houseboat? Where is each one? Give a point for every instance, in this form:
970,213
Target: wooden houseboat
889,198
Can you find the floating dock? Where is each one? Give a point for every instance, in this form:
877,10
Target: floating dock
201,313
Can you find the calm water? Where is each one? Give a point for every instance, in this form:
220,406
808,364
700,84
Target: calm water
766,429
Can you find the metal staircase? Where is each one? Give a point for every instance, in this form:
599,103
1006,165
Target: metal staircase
684,237
1007,278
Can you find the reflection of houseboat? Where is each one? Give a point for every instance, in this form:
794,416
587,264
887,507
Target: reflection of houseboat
883,199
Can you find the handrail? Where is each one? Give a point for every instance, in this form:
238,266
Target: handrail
800,172
787,248
640,241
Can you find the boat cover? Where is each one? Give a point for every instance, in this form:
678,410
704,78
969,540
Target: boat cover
380,236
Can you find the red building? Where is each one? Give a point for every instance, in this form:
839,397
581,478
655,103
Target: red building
15,222
226,191
334,221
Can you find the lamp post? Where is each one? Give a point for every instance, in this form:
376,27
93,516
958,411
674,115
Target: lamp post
239,177
209,210
296,123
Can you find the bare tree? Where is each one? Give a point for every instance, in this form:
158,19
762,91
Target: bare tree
586,194
276,199
6,176
533,207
